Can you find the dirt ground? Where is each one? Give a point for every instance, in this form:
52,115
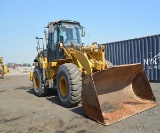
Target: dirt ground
22,112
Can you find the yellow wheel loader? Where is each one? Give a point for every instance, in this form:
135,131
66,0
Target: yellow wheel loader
108,93
6,70
1,68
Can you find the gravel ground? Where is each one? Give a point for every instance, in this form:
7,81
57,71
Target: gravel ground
22,112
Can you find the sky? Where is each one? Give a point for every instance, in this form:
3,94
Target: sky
104,21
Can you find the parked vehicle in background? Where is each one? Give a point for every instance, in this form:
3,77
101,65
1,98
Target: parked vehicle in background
3,68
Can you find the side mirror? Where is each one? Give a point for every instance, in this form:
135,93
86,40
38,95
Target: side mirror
46,36
83,31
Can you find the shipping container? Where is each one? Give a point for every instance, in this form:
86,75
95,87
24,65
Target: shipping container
144,50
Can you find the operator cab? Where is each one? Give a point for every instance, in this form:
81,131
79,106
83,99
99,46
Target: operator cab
66,32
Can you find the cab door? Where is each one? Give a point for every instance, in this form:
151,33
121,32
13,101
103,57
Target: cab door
52,43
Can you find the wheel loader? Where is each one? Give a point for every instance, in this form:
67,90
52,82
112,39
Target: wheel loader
82,74
1,68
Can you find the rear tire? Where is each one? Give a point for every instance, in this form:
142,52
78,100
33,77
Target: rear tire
39,89
69,85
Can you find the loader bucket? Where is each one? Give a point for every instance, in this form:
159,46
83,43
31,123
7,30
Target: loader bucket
112,95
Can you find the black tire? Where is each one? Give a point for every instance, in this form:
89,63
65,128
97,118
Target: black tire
70,75
39,89
1,74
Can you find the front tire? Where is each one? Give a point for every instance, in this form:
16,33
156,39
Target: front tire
69,82
39,89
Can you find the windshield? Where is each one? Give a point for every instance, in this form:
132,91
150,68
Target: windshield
71,35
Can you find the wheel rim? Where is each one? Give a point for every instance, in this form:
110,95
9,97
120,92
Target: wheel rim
36,82
63,86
